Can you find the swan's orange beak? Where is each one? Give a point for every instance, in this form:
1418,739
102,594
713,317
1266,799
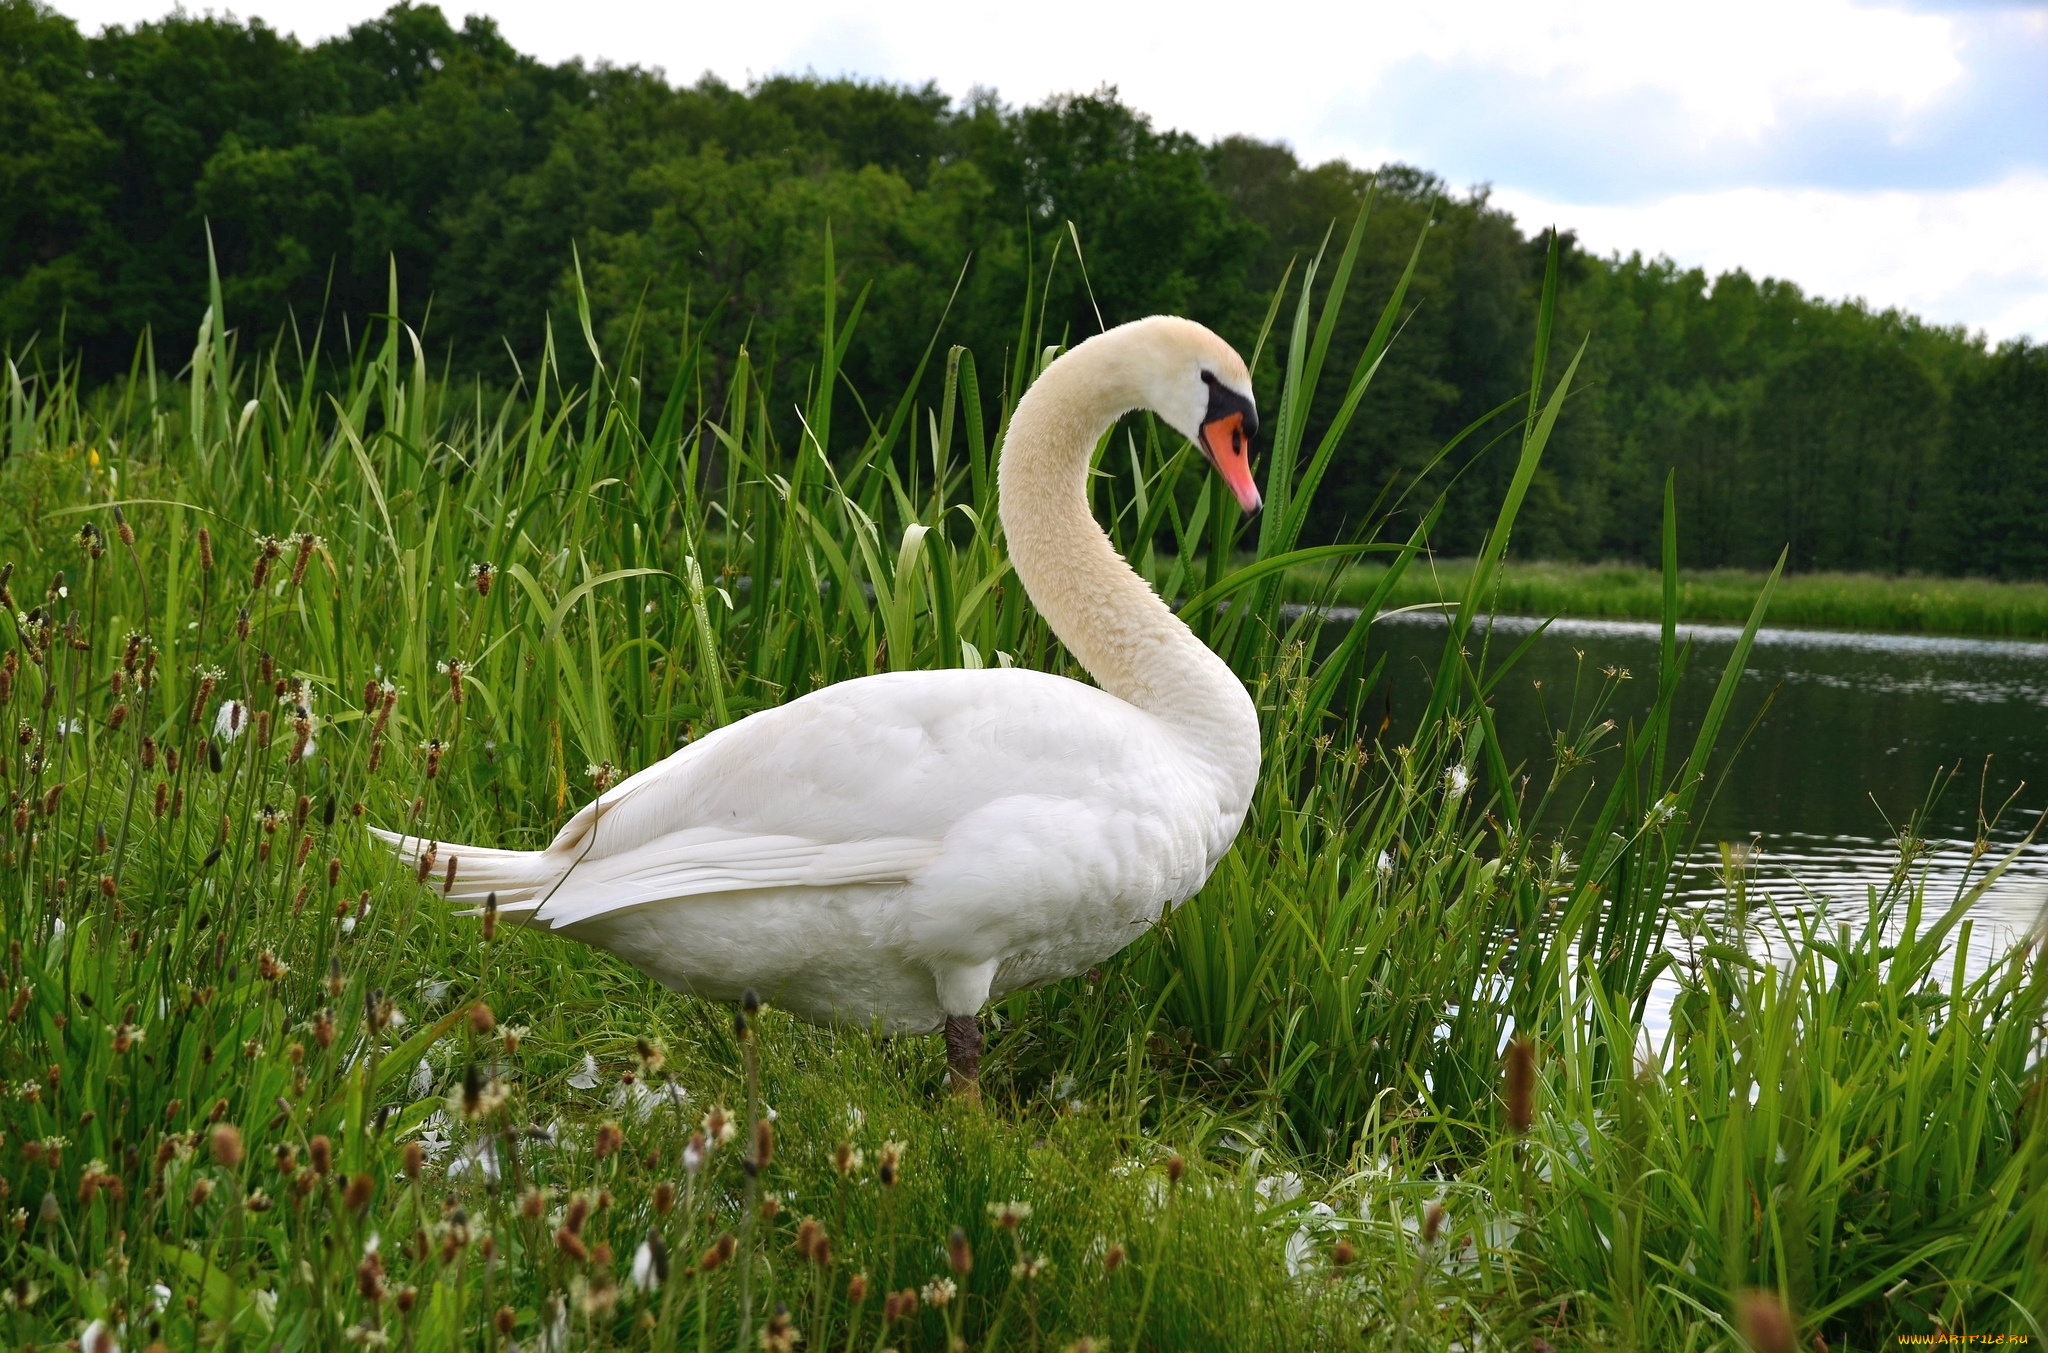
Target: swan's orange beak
1229,446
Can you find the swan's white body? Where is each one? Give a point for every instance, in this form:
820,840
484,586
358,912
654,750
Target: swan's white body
900,848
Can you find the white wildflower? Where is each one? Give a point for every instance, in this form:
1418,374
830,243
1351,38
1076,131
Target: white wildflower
231,721
1457,780
643,1269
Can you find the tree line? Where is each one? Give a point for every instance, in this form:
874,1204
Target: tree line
492,182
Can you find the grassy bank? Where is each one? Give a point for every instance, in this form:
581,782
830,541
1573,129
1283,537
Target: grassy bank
1863,601
1382,1084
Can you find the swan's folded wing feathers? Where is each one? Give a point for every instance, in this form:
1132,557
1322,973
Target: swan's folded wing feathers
690,866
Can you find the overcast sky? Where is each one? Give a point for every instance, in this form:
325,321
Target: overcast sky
1894,152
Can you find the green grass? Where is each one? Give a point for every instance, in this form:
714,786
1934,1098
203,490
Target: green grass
1910,604
203,938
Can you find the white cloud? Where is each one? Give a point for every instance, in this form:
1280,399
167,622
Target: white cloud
1969,256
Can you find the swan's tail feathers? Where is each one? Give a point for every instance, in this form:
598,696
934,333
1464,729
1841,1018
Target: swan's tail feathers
520,878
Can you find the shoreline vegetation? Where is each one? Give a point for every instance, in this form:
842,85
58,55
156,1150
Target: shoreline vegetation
1908,604
1389,1081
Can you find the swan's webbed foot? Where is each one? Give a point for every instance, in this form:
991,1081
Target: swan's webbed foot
963,1055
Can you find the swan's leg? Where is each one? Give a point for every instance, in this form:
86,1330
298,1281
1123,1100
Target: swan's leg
962,992
963,1054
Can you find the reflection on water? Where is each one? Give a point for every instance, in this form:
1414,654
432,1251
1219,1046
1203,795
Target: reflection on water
1859,733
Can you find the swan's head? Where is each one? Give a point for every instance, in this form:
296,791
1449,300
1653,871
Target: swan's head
1199,385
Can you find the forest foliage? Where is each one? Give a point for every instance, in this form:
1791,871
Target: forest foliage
700,216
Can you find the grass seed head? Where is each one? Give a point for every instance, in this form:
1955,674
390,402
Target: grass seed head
1432,1222
1765,1323
857,1289
320,1155
959,1254
225,1141
721,1250
1521,1084
481,1020
1113,1258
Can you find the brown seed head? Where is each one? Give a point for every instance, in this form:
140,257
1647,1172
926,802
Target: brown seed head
406,1299
357,1196
1432,1222
225,1141
809,1232
1113,1258
1343,1254
764,1143
578,1213
320,1155
415,1159
532,1204
1521,1084
505,1320
370,1278
664,1197
1765,1323
959,1254
857,1289
1175,1168
481,1020
610,1137
720,1251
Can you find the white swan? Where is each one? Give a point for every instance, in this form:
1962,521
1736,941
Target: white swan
899,848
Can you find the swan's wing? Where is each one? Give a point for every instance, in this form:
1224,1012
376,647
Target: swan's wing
695,863
903,755
859,783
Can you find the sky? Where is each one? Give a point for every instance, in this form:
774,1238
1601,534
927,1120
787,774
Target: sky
1896,153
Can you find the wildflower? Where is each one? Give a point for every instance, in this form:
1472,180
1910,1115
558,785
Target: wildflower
481,1021
764,1146
847,1158
779,1335
857,1289
320,1152
938,1292
610,1137
225,1142
650,1263
1432,1222
480,574
652,1055
898,1305
888,1167
356,1196
1456,781
1175,1168
98,1338
1009,1215
959,1254
719,1127
505,1321
511,1034
694,1153
603,774
1113,1258
231,721
810,1237
201,1190
1029,1266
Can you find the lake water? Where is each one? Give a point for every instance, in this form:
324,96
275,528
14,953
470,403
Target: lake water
1857,731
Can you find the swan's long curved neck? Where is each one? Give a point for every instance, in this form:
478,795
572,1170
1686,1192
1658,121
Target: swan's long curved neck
1106,615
